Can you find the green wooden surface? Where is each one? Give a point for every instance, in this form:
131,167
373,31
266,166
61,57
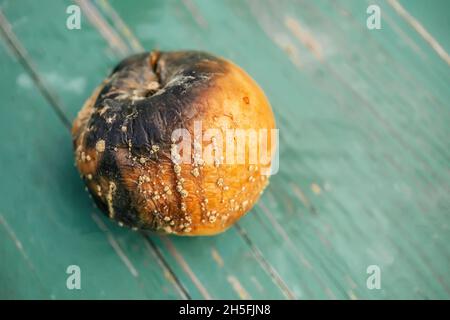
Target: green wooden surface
364,152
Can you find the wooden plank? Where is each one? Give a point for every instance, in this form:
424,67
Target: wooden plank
388,108
431,25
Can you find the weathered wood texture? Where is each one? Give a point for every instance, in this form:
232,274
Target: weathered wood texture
364,151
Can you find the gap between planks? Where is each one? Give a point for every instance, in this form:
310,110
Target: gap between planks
420,29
